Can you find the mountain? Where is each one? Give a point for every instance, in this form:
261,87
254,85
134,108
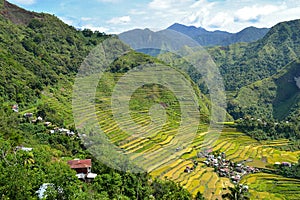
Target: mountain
242,64
249,34
276,97
191,31
163,40
220,38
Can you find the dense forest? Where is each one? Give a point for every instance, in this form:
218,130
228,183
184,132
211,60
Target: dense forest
276,97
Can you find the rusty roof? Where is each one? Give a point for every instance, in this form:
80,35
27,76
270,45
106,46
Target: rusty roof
75,164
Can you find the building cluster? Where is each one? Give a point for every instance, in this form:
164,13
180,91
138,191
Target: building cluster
49,124
39,119
62,131
189,169
227,168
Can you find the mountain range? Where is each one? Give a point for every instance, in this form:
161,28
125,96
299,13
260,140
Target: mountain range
199,35
220,38
241,63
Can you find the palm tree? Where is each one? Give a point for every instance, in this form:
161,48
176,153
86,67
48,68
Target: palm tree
238,192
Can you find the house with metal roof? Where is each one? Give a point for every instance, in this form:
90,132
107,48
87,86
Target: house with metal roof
83,169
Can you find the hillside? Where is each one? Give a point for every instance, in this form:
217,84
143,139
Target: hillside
275,97
243,64
40,50
220,38
39,58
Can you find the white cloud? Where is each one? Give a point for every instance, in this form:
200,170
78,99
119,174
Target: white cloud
24,2
159,5
109,1
221,19
255,12
67,20
227,15
86,18
95,28
119,20
198,13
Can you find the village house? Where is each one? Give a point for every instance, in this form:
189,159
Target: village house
62,131
23,148
286,164
15,108
47,123
39,119
28,115
83,169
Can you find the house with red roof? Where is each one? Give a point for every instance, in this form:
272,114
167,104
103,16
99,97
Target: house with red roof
83,168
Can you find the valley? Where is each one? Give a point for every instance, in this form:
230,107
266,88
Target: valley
147,140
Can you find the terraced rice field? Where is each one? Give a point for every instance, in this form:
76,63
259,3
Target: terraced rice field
267,186
152,145
62,104
239,148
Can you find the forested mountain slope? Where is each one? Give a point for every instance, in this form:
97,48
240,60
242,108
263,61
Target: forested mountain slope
275,97
242,63
38,50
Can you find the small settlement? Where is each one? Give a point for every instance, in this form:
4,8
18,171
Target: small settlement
82,167
223,167
227,168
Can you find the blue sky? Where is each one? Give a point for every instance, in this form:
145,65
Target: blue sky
115,16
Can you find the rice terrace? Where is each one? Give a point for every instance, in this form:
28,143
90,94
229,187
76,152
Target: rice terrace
238,147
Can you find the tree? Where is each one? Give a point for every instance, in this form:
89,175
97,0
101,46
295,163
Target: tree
199,196
238,192
87,32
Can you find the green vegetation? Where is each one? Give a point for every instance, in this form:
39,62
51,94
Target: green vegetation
23,172
39,58
242,64
40,52
276,97
270,186
238,192
289,170
263,130
239,148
